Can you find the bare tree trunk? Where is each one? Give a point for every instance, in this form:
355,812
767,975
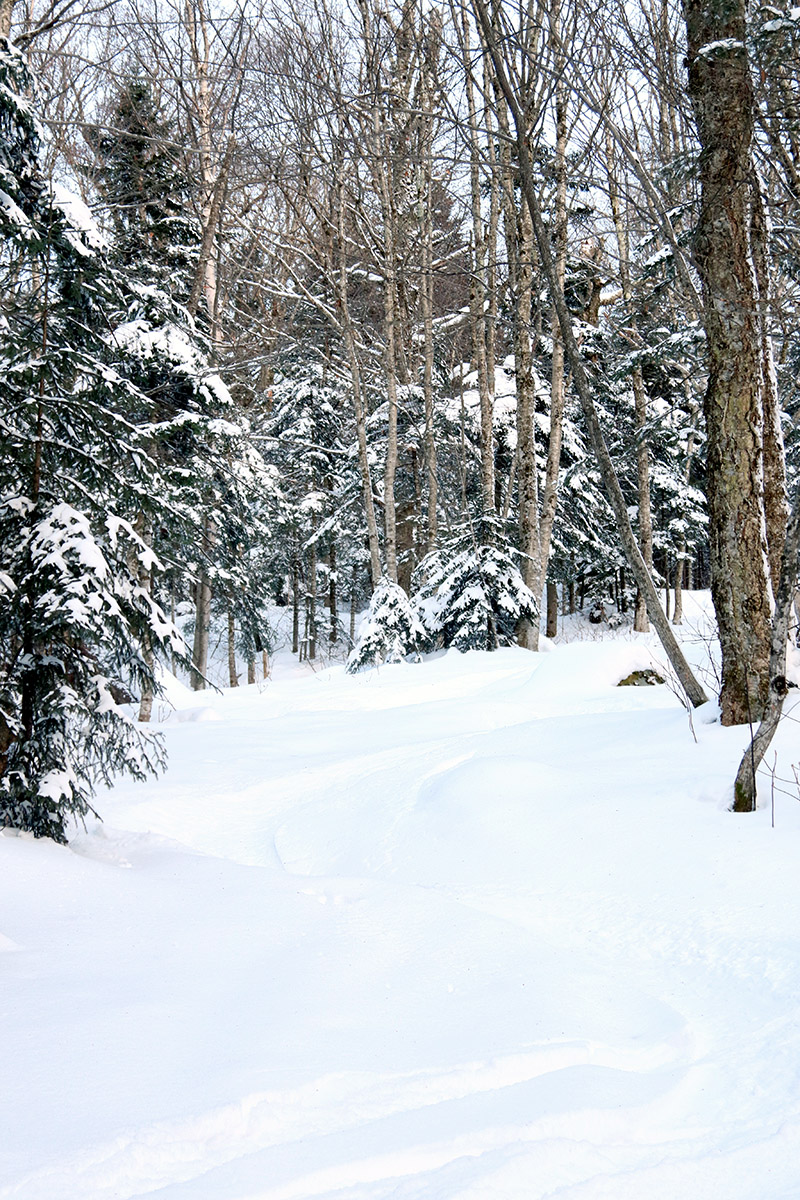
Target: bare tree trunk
722,95
558,375
745,792
353,602
645,522
426,297
295,604
519,249
311,603
478,286
690,684
680,569
382,172
202,622
552,609
146,584
233,678
6,13
348,337
332,596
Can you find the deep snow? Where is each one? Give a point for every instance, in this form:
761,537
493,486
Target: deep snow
480,928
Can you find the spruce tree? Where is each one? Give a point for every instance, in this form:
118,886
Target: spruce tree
73,465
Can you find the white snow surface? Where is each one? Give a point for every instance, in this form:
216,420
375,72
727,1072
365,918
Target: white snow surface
479,928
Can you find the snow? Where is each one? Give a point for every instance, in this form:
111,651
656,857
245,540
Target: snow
479,928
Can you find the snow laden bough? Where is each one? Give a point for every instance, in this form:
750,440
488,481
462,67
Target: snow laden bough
391,631
473,597
469,597
74,622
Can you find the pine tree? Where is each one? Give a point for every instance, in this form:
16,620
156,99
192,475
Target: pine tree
471,593
391,632
146,194
73,618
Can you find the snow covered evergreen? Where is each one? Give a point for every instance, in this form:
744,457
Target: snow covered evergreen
471,595
391,631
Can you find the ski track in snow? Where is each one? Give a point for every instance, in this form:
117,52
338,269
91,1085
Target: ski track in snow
478,929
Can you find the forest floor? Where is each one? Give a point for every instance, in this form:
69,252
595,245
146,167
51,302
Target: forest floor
480,928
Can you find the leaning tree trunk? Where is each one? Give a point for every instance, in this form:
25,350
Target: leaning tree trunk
745,789
687,679
724,105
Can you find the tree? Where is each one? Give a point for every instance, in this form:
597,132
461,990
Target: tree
746,488
516,104
74,622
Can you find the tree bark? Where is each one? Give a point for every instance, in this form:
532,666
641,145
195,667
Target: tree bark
477,296
722,95
233,678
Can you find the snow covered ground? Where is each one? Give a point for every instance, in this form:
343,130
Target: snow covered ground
475,929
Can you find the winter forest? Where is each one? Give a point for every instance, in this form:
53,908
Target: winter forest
466,313
383,384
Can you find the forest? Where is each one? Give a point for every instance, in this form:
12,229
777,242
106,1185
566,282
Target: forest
467,313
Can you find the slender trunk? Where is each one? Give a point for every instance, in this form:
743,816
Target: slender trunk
295,604
348,336
745,787
6,12
478,286
426,296
332,596
558,375
645,523
680,569
202,621
311,604
233,678
552,609
146,584
519,245
775,502
691,686
353,603
382,173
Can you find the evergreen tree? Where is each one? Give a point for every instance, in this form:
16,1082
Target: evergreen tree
391,631
73,618
471,593
145,191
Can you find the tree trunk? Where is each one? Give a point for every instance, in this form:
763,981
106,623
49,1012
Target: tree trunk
202,621
348,337
332,596
745,787
722,95
552,609
146,584
233,678
519,249
477,295
558,374
295,604
645,522
689,683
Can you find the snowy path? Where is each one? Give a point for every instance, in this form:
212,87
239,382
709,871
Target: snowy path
478,929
